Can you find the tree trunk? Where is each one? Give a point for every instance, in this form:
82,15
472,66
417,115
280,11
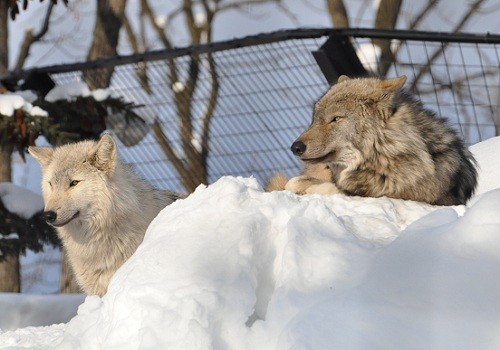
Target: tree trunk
108,22
387,16
9,269
9,275
338,13
4,37
10,280
5,168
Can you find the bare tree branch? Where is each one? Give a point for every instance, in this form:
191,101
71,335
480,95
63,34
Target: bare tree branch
109,18
172,157
387,16
132,39
415,22
182,99
209,111
30,38
198,16
467,16
146,11
214,90
458,83
338,13
140,69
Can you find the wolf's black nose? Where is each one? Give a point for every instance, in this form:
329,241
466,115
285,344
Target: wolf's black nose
49,216
298,148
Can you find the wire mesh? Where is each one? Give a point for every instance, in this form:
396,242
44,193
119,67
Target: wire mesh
266,91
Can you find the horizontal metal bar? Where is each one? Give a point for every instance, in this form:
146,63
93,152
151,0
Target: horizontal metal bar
260,39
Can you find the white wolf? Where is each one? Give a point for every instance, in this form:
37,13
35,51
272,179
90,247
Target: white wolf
100,208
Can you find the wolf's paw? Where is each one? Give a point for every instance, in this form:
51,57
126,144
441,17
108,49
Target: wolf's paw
308,185
298,184
323,188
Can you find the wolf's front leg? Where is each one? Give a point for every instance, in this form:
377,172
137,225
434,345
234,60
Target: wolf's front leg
309,185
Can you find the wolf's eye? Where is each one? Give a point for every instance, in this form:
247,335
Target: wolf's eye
73,183
335,119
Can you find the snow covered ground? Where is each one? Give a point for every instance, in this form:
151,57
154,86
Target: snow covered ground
233,267
20,310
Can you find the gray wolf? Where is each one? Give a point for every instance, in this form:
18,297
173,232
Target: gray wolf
99,206
370,137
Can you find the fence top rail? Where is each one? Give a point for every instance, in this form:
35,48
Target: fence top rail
260,39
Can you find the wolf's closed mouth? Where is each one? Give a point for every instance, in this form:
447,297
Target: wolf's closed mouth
319,159
68,221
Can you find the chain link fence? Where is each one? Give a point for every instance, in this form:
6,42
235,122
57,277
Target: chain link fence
237,106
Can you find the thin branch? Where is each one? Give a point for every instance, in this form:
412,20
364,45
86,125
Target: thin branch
184,97
212,102
214,89
190,22
293,18
132,39
422,14
146,11
141,68
468,14
30,38
172,157
416,22
458,83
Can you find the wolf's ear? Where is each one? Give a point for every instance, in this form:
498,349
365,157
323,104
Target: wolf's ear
42,154
104,156
343,78
392,84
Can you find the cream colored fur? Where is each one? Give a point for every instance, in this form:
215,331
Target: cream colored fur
102,208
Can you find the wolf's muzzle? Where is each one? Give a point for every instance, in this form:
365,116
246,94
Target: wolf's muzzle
51,218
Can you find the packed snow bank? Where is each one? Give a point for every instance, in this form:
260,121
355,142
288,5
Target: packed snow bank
232,267
37,310
230,255
486,155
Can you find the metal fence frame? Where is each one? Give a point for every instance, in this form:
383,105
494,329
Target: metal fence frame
266,38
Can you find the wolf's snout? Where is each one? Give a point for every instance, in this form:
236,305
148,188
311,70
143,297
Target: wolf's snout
298,148
49,216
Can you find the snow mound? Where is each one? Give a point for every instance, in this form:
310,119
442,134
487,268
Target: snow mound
486,155
233,267
230,277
